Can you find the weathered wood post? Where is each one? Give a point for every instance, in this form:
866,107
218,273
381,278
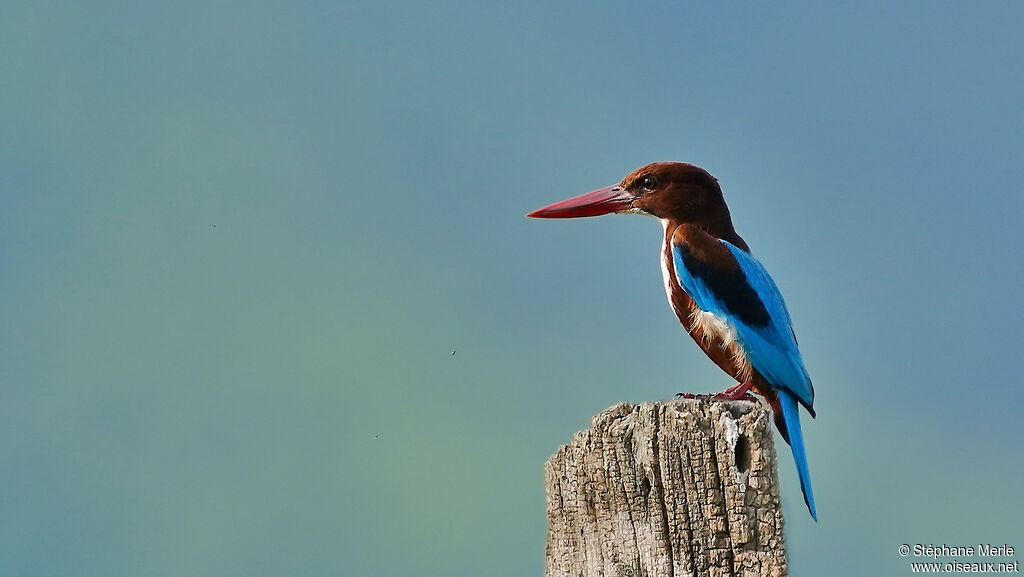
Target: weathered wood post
684,487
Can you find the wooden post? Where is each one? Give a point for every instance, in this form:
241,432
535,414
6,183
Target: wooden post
670,489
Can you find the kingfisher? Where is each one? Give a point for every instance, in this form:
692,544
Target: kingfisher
722,295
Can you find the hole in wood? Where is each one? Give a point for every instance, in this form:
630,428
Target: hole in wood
742,454
645,487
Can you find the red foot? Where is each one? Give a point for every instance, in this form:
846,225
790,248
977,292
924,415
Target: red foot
737,392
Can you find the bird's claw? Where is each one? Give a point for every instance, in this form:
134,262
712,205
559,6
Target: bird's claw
739,392
722,396
699,396
744,396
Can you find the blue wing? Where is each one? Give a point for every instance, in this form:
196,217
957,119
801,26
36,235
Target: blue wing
734,285
746,296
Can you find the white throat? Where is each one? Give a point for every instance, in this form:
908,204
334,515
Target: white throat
666,275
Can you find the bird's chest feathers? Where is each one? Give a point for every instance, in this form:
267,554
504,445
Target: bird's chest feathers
711,331
680,302
709,326
714,328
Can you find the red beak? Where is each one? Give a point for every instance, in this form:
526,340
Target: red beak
603,201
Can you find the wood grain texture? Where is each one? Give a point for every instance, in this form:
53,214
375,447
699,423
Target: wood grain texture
670,489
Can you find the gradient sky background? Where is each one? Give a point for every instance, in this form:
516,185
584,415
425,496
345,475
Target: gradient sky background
239,242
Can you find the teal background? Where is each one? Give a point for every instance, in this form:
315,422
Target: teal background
239,242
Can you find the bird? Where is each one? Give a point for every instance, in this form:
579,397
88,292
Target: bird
723,296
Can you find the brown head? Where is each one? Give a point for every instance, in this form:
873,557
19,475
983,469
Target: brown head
676,192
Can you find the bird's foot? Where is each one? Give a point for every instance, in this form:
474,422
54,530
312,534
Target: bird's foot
737,392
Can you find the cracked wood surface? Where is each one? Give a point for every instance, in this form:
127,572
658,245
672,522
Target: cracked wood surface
670,489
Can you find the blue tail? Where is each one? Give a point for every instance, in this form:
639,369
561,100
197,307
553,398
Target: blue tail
791,416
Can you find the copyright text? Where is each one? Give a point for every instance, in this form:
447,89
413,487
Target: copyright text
967,558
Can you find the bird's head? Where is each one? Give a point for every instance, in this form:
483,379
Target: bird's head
673,191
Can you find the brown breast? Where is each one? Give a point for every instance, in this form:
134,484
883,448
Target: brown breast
686,311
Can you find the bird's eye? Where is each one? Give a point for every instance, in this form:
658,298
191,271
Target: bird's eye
649,183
